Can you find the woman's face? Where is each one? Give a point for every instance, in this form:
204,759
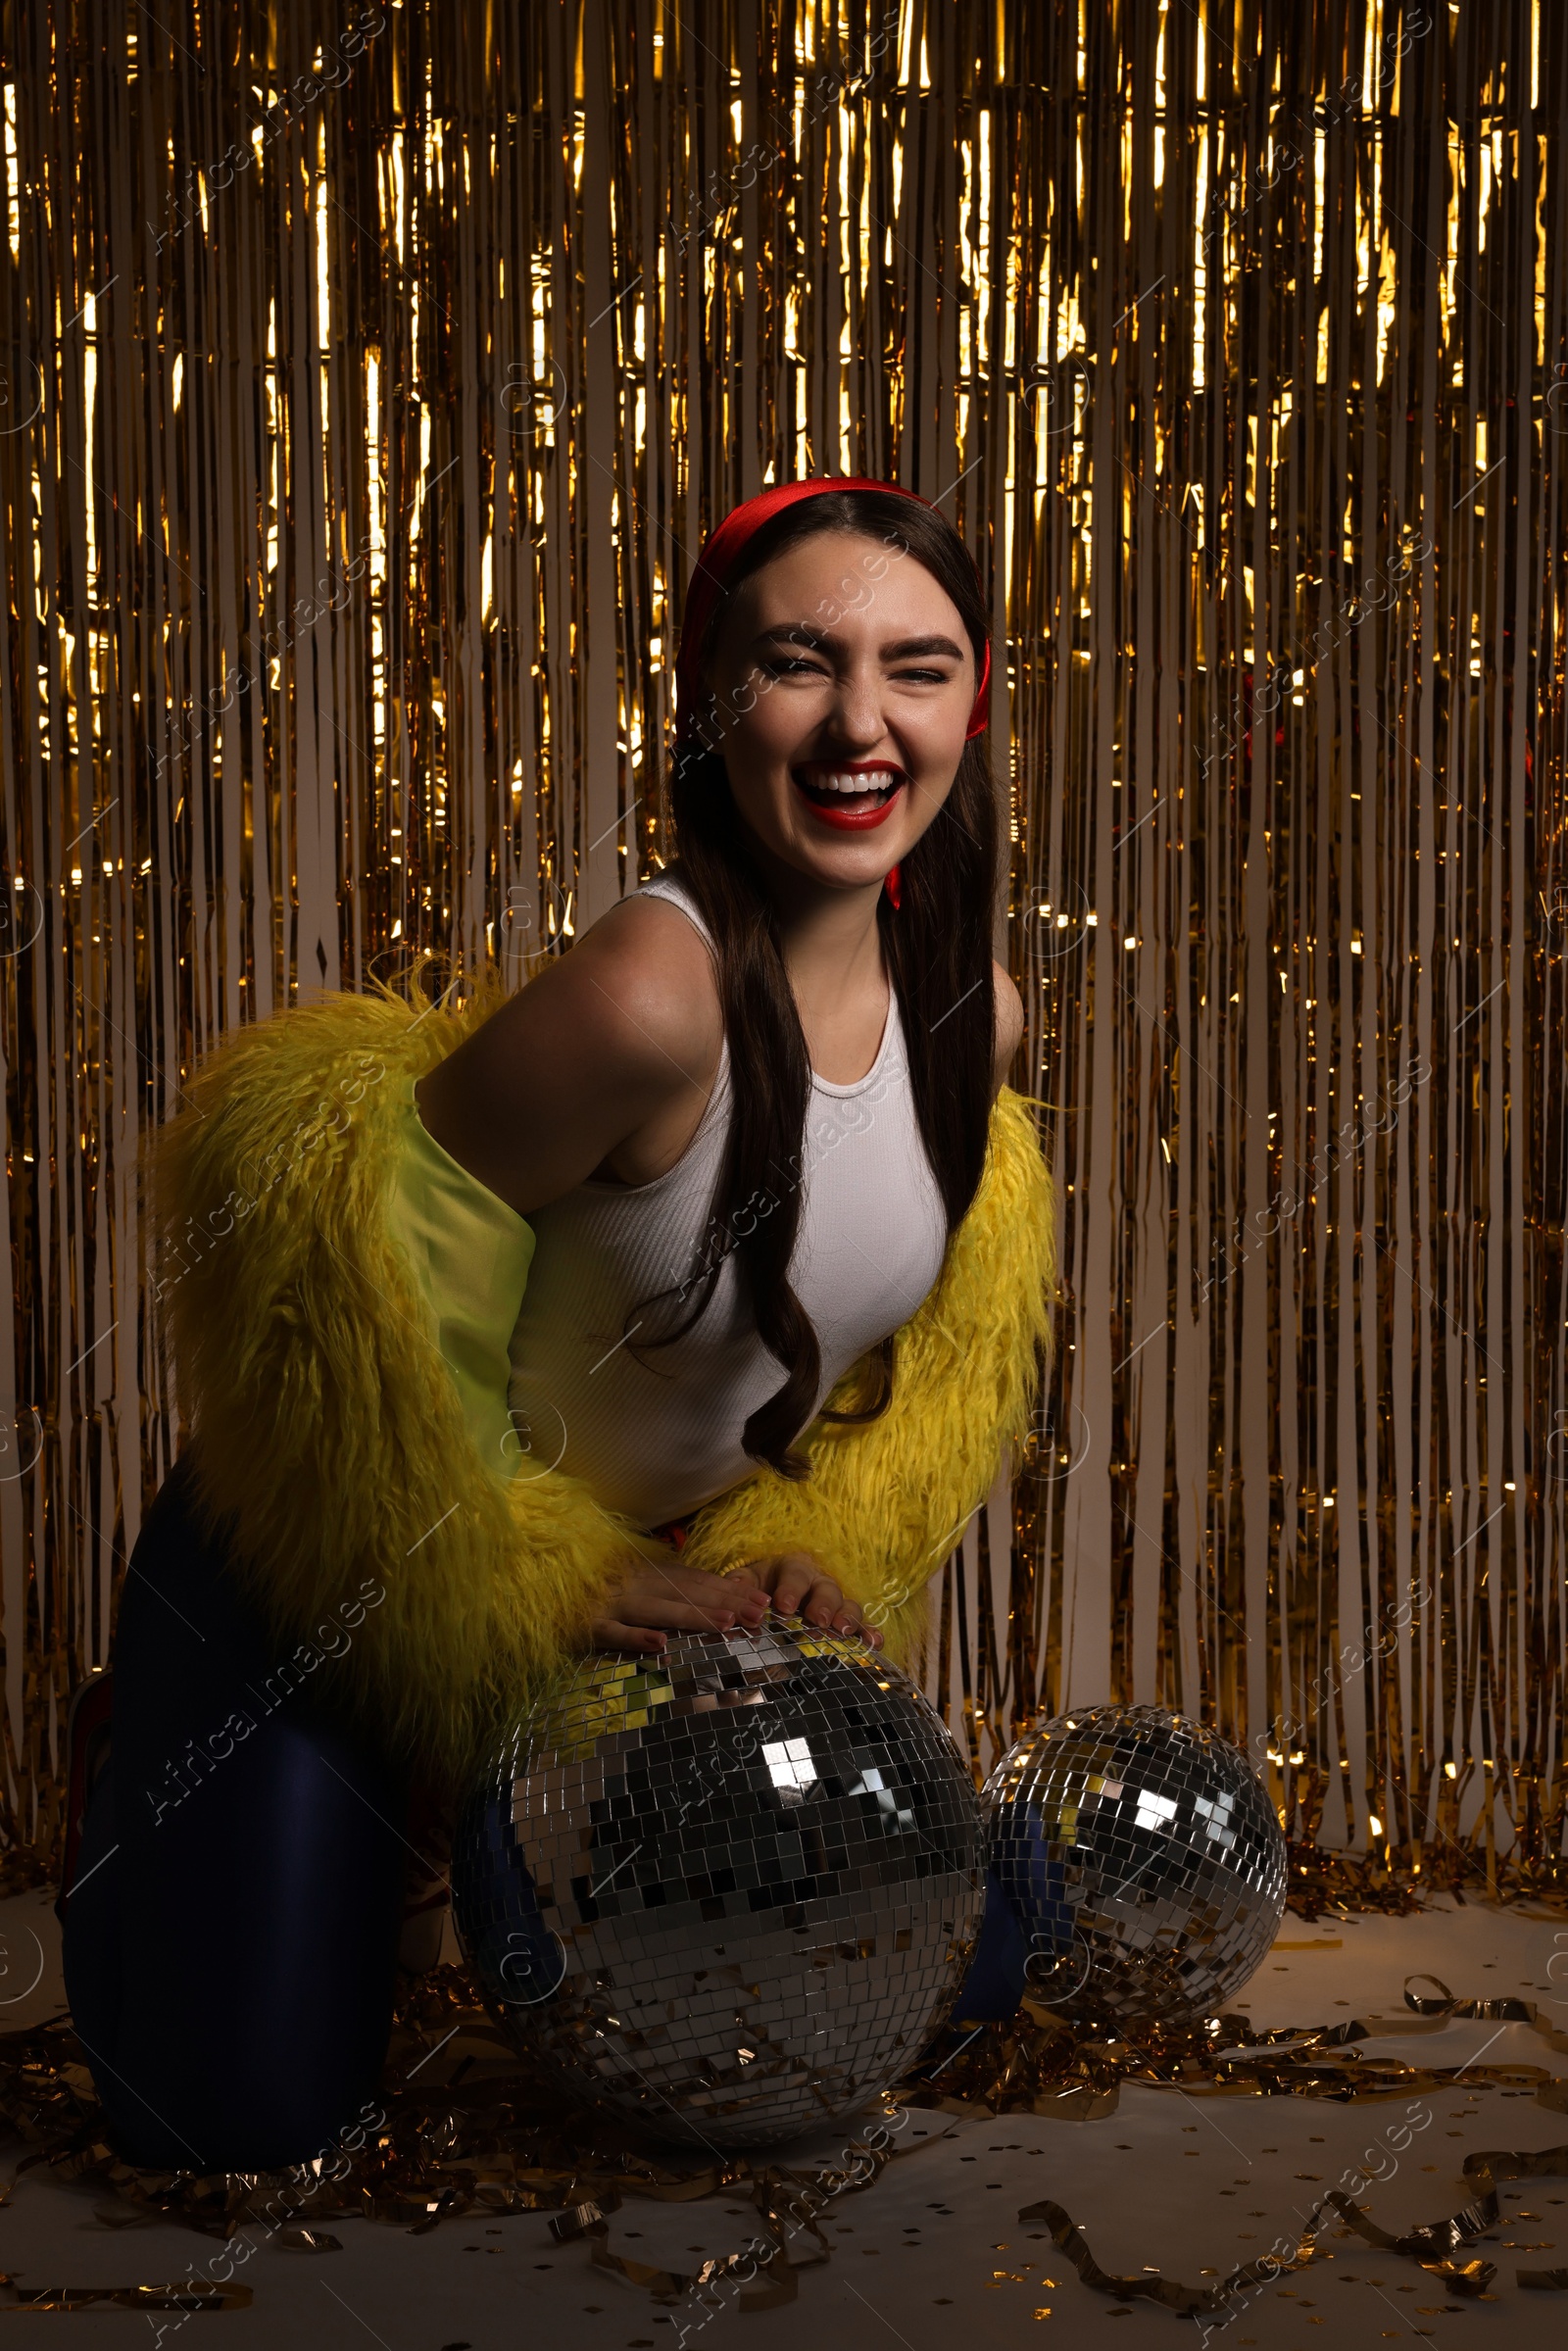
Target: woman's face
843,679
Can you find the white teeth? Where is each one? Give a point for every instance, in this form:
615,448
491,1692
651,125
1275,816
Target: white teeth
878,781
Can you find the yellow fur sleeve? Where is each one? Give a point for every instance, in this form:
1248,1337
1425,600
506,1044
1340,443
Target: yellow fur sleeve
332,1440
329,1431
888,1499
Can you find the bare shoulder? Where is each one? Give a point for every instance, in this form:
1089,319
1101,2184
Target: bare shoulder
617,1038
1010,1025
650,970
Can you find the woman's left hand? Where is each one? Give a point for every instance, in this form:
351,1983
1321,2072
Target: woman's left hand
798,1584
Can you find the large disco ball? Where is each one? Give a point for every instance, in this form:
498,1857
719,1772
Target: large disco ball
1141,1860
730,1891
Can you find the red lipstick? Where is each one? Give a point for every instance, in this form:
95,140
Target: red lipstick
826,805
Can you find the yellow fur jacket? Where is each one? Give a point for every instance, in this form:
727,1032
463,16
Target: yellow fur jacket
329,1435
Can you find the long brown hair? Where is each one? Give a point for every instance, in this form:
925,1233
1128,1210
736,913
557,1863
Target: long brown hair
936,950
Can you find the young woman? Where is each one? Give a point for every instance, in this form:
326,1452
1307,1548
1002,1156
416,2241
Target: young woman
704,1276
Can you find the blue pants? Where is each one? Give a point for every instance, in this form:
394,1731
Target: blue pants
230,1930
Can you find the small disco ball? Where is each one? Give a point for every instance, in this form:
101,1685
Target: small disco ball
1141,1860
729,1893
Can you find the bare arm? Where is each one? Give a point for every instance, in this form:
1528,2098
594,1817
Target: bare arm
605,1063
608,1056
1009,1028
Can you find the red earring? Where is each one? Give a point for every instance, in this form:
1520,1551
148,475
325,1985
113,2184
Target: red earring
891,886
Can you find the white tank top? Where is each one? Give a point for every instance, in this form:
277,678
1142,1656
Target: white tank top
654,1435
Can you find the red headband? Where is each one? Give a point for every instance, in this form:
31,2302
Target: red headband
718,559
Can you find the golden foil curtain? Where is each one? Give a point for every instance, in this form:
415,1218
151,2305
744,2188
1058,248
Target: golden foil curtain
367,377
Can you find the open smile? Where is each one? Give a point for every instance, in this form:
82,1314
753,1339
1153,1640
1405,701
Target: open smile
851,795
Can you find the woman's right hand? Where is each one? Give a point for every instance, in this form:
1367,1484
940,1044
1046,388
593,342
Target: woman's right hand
657,1596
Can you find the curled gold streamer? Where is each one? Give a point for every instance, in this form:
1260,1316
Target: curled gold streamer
1436,2245
186,2297
506,2146
1187,2301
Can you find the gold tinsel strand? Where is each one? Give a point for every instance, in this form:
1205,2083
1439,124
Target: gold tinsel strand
368,379
482,2133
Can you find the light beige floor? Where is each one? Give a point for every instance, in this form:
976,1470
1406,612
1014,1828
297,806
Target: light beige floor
1185,2184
